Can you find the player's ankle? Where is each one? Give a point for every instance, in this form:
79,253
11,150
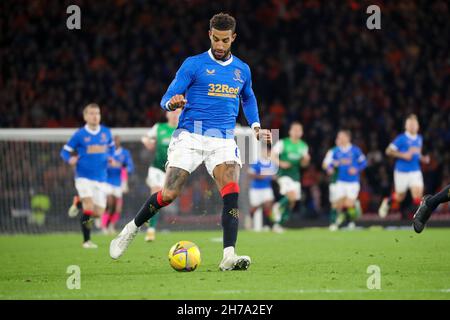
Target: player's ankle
228,252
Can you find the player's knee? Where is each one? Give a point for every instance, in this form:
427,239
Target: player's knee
98,211
292,196
399,197
350,203
88,204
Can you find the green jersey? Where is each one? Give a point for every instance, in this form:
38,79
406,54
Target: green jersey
293,153
162,133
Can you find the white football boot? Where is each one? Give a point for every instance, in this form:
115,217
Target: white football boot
277,228
384,208
333,227
73,210
89,245
120,244
150,235
231,261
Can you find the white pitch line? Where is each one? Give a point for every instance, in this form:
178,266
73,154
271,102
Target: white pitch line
79,295
307,291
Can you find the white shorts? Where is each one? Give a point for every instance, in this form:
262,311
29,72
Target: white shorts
188,150
348,190
287,184
155,177
259,196
114,191
333,193
92,189
405,180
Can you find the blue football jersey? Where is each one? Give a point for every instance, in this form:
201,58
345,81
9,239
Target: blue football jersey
404,143
265,168
213,90
93,149
122,156
346,158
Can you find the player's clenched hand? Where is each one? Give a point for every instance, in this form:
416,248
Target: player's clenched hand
113,163
408,155
425,159
330,171
306,159
264,135
73,160
177,101
284,164
352,171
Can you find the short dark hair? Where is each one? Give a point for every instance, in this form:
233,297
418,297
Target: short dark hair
346,132
223,21
296,123
91,106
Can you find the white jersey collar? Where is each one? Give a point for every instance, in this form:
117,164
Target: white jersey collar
222,63
94,132
346,149
411,136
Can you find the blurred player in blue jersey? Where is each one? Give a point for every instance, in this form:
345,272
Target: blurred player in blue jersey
122,161
89,150
349,161
333,193
209,87
407,150
260,194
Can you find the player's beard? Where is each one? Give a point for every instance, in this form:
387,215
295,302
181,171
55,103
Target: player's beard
225,55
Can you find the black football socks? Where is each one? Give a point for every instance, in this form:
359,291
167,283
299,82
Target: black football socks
150,208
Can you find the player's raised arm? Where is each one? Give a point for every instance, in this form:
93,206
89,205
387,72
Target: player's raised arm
174,96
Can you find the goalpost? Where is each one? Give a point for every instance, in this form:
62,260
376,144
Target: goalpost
37,186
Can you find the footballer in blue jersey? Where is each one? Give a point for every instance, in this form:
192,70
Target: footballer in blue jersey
89,150
261,194
407,151
209,88
121,161
349,161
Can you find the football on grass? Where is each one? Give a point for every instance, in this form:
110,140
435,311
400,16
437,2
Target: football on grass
184,256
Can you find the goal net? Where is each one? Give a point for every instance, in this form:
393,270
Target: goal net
37,186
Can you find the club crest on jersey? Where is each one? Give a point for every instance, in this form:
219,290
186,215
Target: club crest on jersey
237,75
210,72
87,139
103,137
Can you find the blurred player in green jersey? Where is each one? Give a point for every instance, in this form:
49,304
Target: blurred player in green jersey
290,154
158,139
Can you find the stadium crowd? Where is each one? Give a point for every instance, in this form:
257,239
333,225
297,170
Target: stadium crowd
312,61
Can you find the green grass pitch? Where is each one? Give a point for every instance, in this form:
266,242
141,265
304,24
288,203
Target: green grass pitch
299,264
